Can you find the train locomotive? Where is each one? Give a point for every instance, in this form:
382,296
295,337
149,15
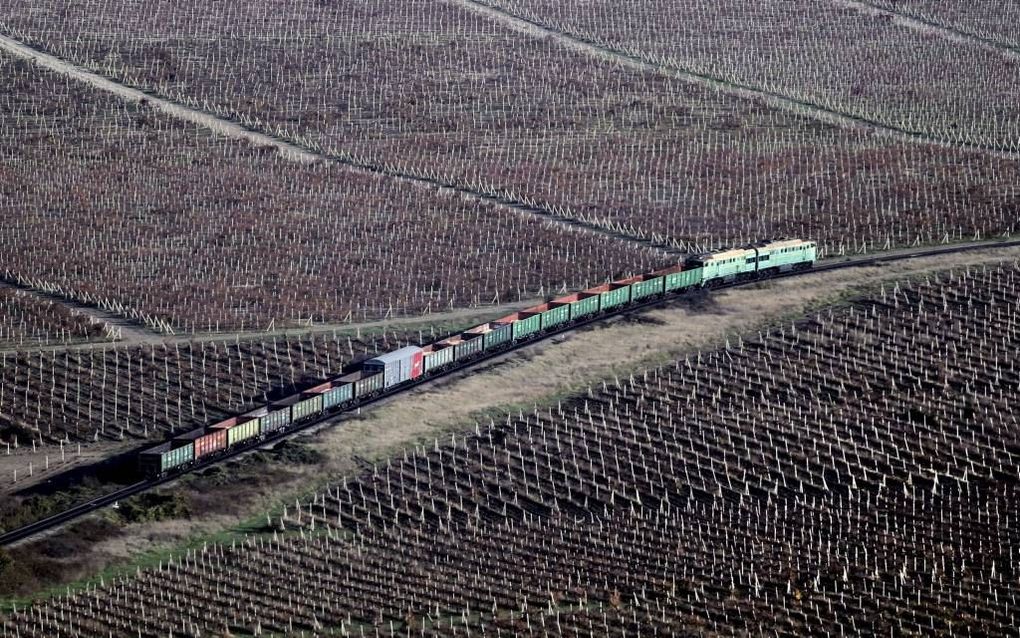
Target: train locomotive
394,370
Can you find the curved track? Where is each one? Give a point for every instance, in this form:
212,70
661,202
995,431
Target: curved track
141,486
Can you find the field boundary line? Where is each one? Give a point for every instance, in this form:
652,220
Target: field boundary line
802,108
946,31
125,329
205,120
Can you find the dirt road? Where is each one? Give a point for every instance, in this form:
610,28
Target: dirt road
297,152
205,120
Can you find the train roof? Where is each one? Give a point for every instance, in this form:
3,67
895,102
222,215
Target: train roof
728,254
396,355
784,243
160,449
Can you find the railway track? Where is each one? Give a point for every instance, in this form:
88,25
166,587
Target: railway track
87,507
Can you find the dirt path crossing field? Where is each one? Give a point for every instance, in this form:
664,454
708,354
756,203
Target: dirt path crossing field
125,330
930,28
228,128
770,98
205,120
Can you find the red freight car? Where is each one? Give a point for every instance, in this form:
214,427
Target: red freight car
213,441
205,442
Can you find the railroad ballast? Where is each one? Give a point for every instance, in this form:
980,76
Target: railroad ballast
407,365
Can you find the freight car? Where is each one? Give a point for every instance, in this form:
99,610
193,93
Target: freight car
392,371
398,366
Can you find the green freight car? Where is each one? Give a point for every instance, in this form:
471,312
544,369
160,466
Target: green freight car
243,431
552,314
275,420
337,395
494,334
611,295
438,355
686,278
644,286
323,397
524,324
581,304
164,458
466,345
308,407
364,383
286,404
369,384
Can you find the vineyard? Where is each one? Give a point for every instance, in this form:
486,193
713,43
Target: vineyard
852,473
26,319
168,225
149,392
207,206
424,88
845,59
993,21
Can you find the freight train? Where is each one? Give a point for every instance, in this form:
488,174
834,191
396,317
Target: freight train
393,370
